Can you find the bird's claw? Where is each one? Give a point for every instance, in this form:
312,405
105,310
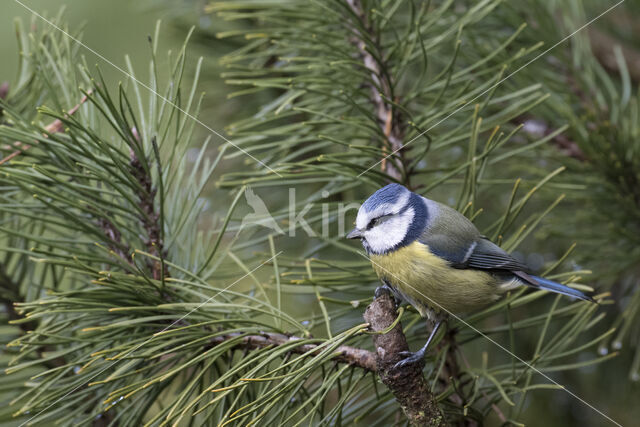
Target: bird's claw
382,290
409,358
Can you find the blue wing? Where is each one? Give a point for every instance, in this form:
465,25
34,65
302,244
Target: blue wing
472,252
454,238
488,255
451,236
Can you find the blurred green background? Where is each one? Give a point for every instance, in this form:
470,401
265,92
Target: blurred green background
111,28
114,29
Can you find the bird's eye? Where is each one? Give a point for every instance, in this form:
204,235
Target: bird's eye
374,222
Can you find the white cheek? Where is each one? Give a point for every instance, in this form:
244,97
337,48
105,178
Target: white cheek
382,238
389,234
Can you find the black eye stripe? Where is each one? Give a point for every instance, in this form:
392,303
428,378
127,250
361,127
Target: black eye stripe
377,220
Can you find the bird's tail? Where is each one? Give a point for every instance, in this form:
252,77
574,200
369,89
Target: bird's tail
556,287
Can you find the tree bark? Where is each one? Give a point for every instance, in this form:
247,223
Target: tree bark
407,384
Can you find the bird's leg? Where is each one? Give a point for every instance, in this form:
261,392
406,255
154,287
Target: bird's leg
385,287
411,357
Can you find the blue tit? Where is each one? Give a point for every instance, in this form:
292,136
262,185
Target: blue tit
433,257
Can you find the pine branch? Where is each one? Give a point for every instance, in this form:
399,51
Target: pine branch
380,87
113,234
408,384
364,110
53,127
150,218
344,354
352,118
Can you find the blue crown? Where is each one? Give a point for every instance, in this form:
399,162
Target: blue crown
388,194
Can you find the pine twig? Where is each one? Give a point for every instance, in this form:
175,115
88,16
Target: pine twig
380,87
407,384
344,354
53,127
150,219
113,234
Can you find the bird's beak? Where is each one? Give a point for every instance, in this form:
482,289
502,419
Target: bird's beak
354,234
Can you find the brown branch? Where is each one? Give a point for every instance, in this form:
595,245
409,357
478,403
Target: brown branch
344,354
407,384
380,89
150,218
53,127
115,237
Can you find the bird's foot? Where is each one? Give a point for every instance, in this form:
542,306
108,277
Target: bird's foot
382,290
418,356
410,358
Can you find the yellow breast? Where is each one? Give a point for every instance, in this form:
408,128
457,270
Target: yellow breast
427,281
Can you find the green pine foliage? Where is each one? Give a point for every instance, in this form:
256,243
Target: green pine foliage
134,294
594,92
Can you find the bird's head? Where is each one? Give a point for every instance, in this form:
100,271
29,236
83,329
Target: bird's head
390,218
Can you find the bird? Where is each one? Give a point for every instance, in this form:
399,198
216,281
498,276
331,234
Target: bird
433,257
